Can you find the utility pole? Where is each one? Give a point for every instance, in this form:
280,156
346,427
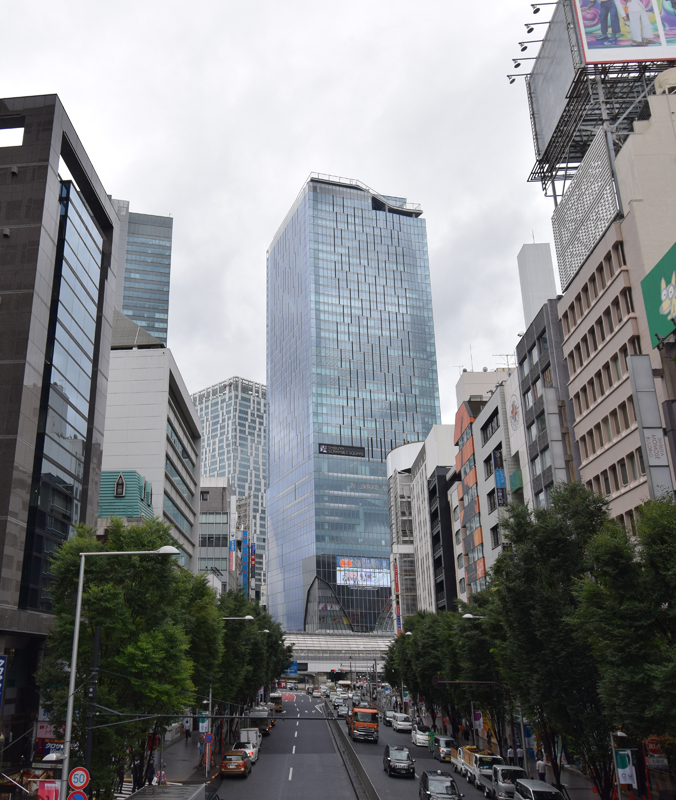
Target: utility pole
91,696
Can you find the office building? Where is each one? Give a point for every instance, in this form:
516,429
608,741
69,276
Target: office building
234,446
536,278
57,280
431,521
402,562
144,258
351,374
124,495
219,555
152,427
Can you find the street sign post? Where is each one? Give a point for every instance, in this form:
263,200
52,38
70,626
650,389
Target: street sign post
78,795
78,778
209,738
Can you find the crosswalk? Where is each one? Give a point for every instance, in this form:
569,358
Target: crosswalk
127,789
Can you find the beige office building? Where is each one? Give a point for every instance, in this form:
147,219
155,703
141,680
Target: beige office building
604,319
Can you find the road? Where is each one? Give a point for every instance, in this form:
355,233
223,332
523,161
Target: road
398,787
298,761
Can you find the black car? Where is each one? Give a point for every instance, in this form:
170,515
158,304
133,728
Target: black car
387,718
436,784
397,760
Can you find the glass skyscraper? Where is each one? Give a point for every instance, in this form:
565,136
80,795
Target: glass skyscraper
144,259
351,374
234,446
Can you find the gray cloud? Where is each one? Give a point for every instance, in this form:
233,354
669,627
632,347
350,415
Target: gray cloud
216,112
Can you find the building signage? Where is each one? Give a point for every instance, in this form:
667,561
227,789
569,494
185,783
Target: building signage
395,568
625,768
245,562
292,669
501,497
655,447
514,412
614,32
497,461
659,297
342,450
369,572
500,480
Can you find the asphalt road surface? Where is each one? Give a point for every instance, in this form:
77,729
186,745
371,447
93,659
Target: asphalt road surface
398,787
298,760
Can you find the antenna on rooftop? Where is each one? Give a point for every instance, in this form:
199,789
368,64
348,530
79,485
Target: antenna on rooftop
509,359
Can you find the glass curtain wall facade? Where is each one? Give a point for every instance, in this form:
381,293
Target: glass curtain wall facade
234,446
147,268
61,447
352,373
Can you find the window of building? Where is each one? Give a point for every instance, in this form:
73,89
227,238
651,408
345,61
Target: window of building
528,398
490,427
204,496
606,481
523,368
535,465
119,486
547,378
641,465
546,458
488,466
541,422
532,433
468,466
456,513
458,536
608,321
540,499
465,437
461,586
537,389
461,561
617,367
631,458
533,356
492,502
624,476
543,346
495,536
476,553
614,482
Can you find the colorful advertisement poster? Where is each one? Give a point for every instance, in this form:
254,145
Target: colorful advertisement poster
369,572
615,31
245,562
231,551
659,297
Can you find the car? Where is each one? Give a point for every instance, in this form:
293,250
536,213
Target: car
235,762
341,712
251,750
338,701
397,760
350,695
364,705
420,735
401,722
437,784
535,790
316,693
387,718
442,747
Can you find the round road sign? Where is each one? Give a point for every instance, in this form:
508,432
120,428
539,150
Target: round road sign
208,738
78,778
77,795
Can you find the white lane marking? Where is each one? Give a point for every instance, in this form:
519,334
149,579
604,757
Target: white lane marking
295,734
293,752
296,724
290,772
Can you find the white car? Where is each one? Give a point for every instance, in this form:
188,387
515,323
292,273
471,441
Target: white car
401,722
420,735
252,750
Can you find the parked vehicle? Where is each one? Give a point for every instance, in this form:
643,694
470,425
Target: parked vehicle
500,783
397,760
535,790
252,736
476,763
441,747
435,784
387,718
420,735
401,722
251,750
362,723
235,762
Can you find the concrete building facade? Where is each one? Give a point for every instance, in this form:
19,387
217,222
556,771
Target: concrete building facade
152,426
219,555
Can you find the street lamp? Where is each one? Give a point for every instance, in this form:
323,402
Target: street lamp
248,616
265,630
472,616
167,549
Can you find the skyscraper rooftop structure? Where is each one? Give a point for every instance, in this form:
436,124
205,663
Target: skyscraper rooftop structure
144,256
234,446
351,374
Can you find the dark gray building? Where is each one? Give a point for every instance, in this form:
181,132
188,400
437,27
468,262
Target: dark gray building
144,258
553,455
57,277
443,553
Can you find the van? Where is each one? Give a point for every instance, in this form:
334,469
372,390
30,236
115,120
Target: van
252,735
535,790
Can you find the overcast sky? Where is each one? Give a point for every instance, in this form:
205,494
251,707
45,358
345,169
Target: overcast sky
216,112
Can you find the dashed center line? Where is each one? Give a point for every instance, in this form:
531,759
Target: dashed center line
290,772
295,734
293,752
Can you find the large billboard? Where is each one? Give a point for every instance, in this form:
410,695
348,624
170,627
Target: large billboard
368,572
659,297
615,31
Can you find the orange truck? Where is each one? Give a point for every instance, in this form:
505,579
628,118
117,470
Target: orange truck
362,723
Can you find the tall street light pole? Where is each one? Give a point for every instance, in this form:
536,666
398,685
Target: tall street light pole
166,550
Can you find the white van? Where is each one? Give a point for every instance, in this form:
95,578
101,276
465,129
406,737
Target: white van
252,735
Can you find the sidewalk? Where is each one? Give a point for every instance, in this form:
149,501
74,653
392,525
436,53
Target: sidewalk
182,762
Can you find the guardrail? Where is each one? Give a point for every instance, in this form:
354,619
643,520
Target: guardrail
358,767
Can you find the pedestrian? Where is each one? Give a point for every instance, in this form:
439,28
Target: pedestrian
161,777
519,755
200,747
150,772
120,778
135,776
541,769
510,756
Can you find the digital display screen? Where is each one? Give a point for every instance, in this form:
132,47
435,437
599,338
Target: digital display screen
370,572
